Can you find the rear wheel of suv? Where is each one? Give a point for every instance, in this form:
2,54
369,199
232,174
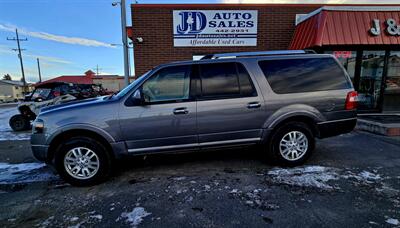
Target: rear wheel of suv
292,144
83,161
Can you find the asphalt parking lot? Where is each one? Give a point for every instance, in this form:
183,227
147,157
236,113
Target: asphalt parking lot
351,180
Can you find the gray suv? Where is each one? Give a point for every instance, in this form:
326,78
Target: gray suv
281,100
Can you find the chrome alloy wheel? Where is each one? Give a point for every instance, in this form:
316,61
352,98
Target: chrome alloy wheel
81,163
293,145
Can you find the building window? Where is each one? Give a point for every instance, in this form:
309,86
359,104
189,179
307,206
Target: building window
391,99
16,87
347,59
369,88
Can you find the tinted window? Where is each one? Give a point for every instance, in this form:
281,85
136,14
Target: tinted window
225,80
246,86
219,79
168,84
304,75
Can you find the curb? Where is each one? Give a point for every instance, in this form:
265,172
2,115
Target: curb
392,129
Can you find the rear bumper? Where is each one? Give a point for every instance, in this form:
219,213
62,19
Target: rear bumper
336,127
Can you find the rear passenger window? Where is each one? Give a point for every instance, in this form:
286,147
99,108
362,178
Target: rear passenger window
224,80
304,75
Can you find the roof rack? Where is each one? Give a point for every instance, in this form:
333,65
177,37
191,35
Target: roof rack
257,53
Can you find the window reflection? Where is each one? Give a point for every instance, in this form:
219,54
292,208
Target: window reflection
169,84
369,89
392,86
347,59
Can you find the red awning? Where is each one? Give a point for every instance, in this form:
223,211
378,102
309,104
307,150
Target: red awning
345,26
69,79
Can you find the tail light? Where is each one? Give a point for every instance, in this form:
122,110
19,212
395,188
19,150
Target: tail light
351,100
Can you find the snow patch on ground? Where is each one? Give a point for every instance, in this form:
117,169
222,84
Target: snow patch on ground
99,217
135,217
322,177
6,133
309,176
393,221
25,173
46,223
364,176
74,219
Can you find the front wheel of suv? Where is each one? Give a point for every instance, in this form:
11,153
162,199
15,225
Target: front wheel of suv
292,143
83,161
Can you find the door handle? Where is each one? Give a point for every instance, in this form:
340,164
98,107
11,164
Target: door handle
254,105
179,111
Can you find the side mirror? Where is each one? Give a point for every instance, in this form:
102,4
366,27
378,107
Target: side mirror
137,98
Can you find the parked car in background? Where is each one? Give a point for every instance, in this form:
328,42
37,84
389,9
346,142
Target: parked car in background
7,99
49,94
281,100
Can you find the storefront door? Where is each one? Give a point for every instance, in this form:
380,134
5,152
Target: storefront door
370,83
391,97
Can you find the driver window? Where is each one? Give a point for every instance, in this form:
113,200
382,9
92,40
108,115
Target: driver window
168,84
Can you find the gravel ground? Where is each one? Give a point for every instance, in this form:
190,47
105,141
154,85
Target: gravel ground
351,180
342,185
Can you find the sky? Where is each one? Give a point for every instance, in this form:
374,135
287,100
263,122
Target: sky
73,36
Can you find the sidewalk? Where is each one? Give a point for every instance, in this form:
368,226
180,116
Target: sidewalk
383,124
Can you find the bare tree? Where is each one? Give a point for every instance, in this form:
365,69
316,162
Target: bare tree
7,77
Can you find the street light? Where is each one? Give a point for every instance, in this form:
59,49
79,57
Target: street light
124,39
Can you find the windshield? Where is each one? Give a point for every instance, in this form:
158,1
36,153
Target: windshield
41,93
133,84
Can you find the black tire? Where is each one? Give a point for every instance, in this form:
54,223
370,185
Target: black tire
19,123
278,135
104,157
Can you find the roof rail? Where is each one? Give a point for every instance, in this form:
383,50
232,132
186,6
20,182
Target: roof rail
257,53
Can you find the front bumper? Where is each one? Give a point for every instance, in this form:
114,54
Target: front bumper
39,148
40,152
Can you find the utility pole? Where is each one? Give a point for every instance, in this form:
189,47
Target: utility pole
98,69
38,66
125,42
20,55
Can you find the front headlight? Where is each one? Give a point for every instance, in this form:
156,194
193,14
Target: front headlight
38,126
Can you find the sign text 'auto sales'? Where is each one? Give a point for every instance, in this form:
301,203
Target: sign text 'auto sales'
214,28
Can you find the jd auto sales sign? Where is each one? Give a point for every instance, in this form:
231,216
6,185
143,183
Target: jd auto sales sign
199,28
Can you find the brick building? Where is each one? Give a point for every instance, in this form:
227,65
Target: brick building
154,23
366,39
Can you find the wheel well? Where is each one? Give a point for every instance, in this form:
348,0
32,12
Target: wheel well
59,139
303,119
